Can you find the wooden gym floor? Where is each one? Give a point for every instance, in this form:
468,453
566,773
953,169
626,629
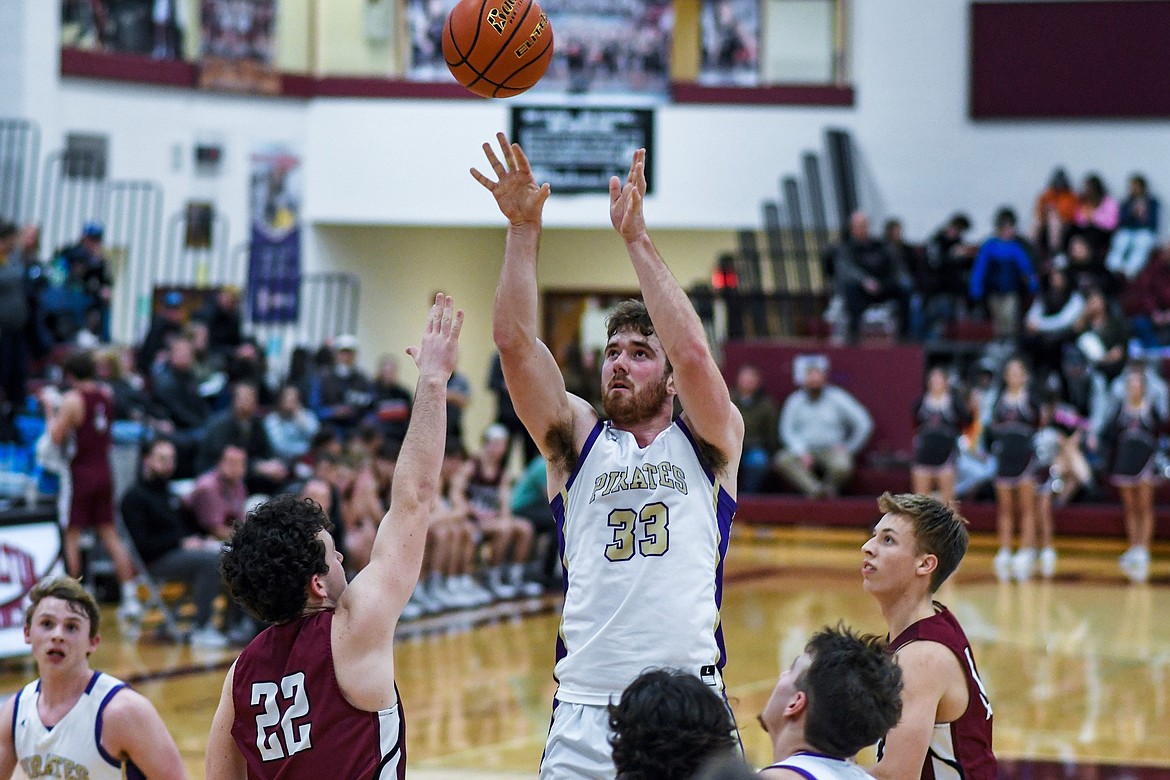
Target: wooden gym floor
1078,668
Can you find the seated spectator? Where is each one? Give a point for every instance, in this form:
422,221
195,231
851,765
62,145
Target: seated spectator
447,580
760,418
944,276
219,497
242,426
339,393
940,416
290,426
1051,321
1003,275
1086,269
864,274
176,392
165,325
1097,215
13,322
667,725
530,502
1137,231
115,368
842,694
367,498
1102,336
1146,300
1055,213
221,313
153,517
483,484
390,408
822,429
86,282
247,363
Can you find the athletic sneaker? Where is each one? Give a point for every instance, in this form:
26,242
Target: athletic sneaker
1047,562
500,589
207,637
1139,566
130,610
1023,563
1003,564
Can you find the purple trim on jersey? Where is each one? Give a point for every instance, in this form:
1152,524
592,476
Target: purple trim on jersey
97,722
15,709
558,511
796,769
92,682
551,718
682,426
724,514
592,437
803,772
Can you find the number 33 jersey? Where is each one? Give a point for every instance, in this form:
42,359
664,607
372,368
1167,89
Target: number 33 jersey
293,721
643,533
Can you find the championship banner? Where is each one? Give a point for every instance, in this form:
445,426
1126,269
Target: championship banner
731,43
239,42
577,149
274,264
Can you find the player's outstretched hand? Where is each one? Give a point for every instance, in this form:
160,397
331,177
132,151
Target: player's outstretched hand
625,200
440,342
515,191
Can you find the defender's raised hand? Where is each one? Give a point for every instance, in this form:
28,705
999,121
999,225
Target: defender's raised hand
440,342
515,191
625,200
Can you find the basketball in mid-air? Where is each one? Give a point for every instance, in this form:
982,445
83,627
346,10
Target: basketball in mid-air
497,48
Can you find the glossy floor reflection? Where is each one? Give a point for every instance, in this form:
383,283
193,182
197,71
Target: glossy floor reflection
1077,668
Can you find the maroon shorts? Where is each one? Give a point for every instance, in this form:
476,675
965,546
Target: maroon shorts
92,502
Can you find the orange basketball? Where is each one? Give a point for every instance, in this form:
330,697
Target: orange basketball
497,48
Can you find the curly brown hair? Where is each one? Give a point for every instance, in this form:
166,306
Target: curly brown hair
666,725
272,556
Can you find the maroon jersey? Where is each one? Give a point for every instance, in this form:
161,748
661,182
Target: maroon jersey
92,437
292,720
961,748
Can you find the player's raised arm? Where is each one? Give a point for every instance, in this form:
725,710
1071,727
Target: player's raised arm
369,608
534,379
705,399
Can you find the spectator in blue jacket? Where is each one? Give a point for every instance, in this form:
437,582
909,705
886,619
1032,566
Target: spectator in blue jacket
1137,232
1002,275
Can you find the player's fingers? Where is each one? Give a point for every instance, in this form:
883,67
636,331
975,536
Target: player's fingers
506,150
545,191
414,353
641,172
521,159
615,189
494,161
457,325
485,181
445,322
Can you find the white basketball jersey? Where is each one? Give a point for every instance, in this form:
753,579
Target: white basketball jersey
72,747
815,766
643,534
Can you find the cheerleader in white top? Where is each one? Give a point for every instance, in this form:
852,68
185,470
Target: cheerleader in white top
842,694
74,721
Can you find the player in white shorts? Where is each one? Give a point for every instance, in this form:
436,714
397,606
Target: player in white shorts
643,500
843,693
74,721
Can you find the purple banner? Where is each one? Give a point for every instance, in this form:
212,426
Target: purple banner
274,267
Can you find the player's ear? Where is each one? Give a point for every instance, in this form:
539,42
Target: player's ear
927,563
316,587
796,705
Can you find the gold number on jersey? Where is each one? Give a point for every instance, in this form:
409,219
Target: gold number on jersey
647,528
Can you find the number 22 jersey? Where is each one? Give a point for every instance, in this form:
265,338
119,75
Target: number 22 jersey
643,534
293,721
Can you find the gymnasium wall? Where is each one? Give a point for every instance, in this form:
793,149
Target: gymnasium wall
394,173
